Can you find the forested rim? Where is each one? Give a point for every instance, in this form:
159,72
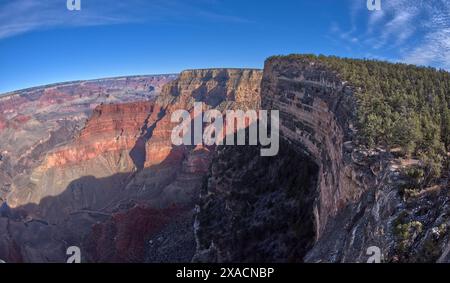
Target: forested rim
399,106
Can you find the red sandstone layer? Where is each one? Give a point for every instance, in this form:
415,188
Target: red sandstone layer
114,127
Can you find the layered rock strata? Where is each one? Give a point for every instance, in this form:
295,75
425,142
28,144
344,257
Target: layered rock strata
357,202
121,167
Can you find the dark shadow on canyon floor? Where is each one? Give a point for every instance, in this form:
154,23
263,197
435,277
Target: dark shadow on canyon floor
109,218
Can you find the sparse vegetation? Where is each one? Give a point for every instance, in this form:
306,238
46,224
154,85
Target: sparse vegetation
415,181
406,234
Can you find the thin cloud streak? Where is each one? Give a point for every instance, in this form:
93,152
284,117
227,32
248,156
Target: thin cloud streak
418,32
21,16
434,48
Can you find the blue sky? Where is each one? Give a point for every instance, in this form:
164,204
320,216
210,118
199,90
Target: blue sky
42,42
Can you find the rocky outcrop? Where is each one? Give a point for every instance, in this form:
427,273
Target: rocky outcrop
34,113
316,115
357,200
123,138
216,86
111,128
123,237
39,122
361,202
100,149
257,209
36,121
316,125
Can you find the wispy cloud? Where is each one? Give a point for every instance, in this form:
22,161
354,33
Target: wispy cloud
434,46
416,32
21,16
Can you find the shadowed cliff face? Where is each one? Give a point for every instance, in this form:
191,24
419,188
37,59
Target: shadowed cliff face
283,222
316,114
257,209
347,197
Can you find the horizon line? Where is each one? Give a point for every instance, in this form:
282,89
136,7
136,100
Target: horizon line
69,82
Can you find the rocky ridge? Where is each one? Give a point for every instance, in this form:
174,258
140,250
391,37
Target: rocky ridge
358,201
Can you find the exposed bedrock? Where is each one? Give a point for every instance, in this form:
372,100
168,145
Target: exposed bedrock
120,180
360,202
257,209
36,121
316,114
351,202
316,110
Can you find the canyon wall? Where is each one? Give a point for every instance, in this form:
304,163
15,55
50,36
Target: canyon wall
324,197
101,149
361,203
316,128
127,138
217,86
37,120
119,181
33,123
316,115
